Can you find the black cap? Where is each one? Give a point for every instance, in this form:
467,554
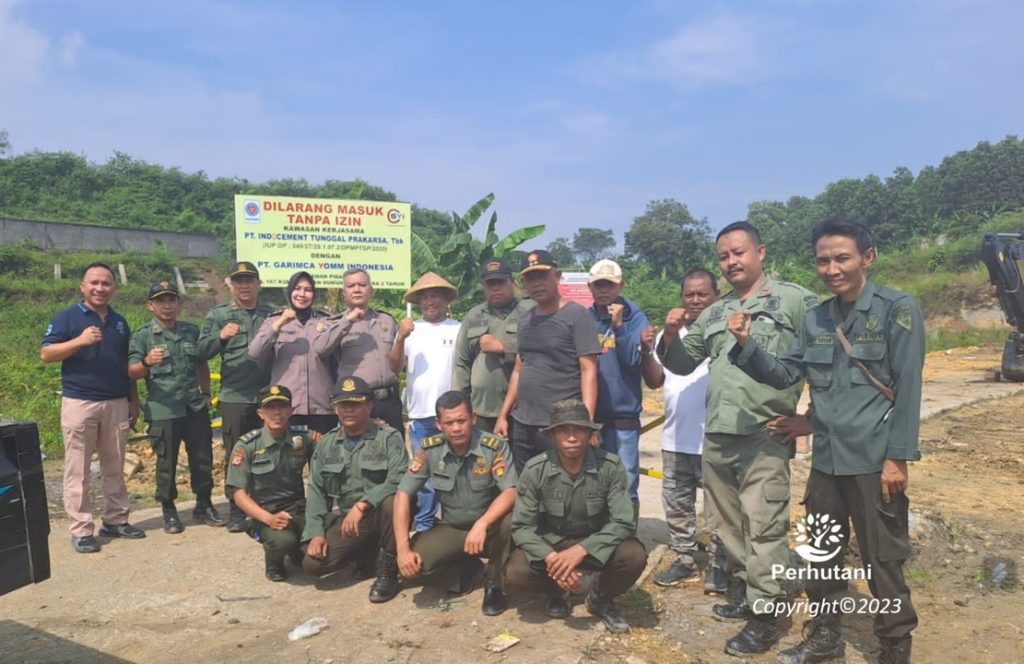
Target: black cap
242,269
163,288
274,393
537,260
495,268
351,389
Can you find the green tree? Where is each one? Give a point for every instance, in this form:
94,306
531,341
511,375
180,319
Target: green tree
561,250
5,143
668,238
591,244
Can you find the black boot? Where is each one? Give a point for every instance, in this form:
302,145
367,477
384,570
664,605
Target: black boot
716,579
558,606
468,572
822,641
236,519
385,587
895,651
495,601
172,524
736,607
603,607
757,636
276,570
205,512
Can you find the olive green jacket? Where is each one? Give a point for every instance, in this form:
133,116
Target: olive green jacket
241,376
467,485
551,506
172,387
369,472
856,428
736,403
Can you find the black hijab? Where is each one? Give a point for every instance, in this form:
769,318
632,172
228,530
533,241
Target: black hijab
302,315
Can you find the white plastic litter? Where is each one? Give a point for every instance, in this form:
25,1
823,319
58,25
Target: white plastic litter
309,628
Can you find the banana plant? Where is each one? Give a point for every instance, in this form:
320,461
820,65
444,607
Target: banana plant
458,260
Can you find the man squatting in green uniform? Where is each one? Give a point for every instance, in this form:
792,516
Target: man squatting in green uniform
358,466
177,403
864,432
573,515
485,350
266,476
227,331
475,481
745,468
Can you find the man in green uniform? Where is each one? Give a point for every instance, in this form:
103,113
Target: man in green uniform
745,469
177,403
474,479
485,350
356,465
573,515
227,331
862,352
266,476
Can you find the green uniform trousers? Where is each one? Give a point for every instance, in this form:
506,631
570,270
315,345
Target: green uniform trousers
443,545
376,532
618,575
165,436
883,541
747,481
278,543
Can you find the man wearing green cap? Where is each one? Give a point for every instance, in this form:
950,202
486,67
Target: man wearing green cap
474,481
356,465
177,403
266,476
227,331
573,515
485,350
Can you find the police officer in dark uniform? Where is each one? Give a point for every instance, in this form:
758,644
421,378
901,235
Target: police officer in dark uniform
266,475
177,404
227,331
474,478
358,466
573,515
862,352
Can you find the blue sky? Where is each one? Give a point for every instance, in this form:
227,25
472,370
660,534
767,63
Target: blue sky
572,113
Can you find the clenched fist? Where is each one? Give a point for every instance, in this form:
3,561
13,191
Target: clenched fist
739,325
405,328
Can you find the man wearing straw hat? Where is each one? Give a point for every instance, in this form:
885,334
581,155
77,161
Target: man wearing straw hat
426,349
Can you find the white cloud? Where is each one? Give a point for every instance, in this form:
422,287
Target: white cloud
70,45
23,49
717,49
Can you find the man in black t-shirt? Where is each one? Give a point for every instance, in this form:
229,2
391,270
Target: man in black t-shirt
557,359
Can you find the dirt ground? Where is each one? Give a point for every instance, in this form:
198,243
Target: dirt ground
201,596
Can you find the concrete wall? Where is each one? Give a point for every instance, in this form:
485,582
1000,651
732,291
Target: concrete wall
47,235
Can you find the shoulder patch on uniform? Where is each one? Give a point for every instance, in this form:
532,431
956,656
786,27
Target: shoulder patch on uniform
238,456
811,301
418,462
493,442
249,437
901,316
431,441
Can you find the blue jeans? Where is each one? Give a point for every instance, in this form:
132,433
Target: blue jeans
626,444
426,499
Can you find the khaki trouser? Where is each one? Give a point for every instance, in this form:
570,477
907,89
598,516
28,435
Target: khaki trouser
747,481
623,568
443,546
100,426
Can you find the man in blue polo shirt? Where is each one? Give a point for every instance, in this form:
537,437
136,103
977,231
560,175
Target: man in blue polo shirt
98,405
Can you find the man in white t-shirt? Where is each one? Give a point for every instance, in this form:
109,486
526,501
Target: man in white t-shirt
682,442
426,350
